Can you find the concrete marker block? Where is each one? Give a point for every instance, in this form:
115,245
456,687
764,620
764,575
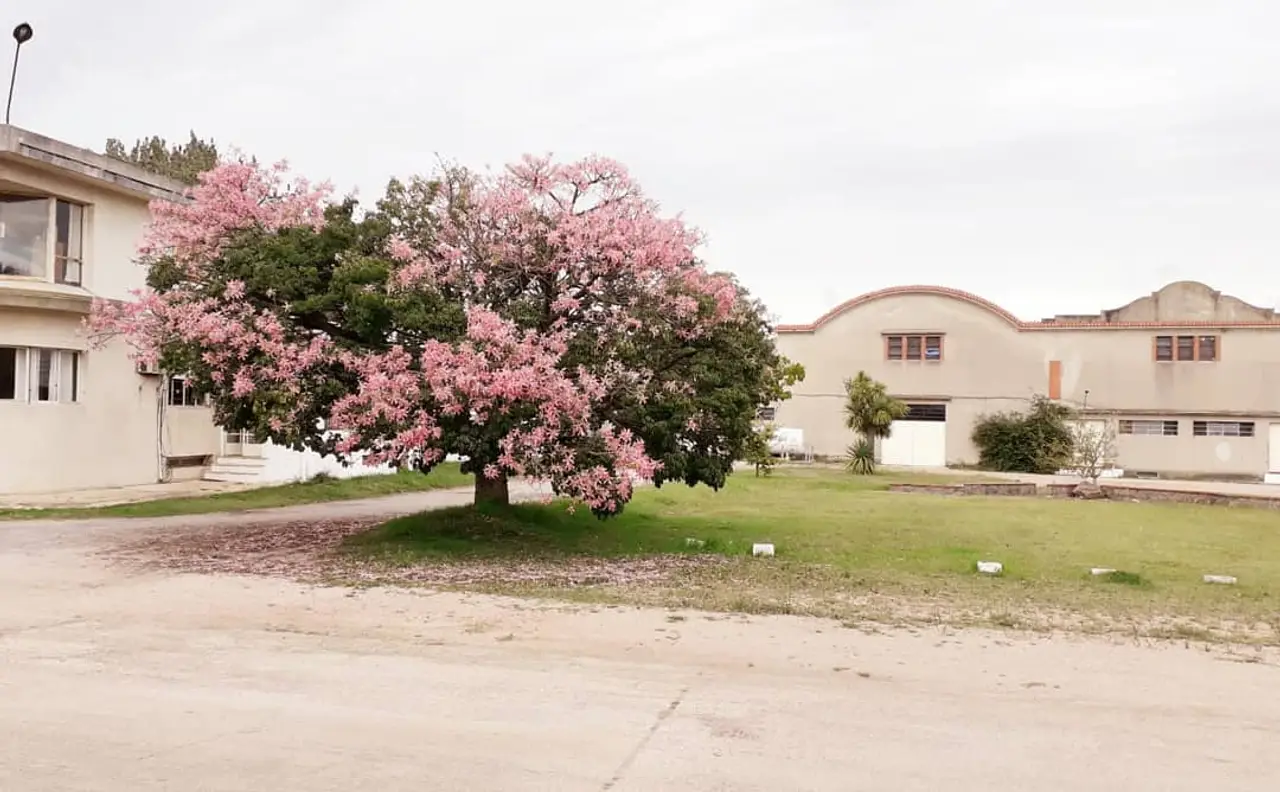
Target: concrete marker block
1101,571
762,549
990,567
1226,580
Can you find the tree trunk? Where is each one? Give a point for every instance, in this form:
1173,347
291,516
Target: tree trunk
492,490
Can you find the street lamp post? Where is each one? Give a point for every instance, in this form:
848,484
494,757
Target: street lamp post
21,34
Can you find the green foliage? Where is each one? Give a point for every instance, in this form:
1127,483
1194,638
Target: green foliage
730,373
333,281
860,457
870,412
1037,441
757,450
182,162
868,409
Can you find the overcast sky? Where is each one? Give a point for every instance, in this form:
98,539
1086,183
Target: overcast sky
1051,156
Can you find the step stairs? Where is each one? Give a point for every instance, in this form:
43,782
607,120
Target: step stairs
235,470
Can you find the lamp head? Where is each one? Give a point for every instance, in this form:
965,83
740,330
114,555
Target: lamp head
23,33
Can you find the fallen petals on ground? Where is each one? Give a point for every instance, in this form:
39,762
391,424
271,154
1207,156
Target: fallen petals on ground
311,551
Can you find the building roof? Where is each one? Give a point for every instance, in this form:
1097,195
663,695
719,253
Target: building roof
17,144
1178,305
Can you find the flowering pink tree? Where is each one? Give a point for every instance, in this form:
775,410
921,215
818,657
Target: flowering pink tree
546,322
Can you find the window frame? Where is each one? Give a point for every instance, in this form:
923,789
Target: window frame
1202,429
1200,348
187,389
51,266
1131,425
61,262
65,382
898,347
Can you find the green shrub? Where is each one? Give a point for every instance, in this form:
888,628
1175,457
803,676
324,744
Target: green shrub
860,458
1037,441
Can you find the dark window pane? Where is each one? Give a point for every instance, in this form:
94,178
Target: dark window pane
1186,347
44,375
926,412
1164,347
895,347
75,376
913,347
8,373
1208,348
933,347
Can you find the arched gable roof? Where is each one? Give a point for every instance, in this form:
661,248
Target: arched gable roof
898,291
1099,322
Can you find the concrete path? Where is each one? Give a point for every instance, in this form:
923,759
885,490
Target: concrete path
112,496
112,681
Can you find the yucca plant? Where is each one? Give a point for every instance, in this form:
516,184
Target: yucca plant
860,458
870,412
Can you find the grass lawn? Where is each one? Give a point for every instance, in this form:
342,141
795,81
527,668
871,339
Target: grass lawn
444,476
849,549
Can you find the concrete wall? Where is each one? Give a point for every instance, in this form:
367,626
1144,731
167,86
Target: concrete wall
991,363
284,465
1191,455
189,431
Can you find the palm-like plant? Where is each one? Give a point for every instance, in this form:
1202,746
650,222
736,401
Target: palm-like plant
870,412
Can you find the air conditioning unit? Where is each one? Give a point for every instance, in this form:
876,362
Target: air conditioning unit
148,369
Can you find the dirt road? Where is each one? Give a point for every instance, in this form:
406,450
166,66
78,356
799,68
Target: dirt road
111,680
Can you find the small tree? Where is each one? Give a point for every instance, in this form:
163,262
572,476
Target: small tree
1037,441
1094,448
870,412
758,452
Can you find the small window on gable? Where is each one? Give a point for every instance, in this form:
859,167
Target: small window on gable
913,347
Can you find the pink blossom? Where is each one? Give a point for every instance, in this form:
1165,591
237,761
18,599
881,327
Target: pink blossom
607,266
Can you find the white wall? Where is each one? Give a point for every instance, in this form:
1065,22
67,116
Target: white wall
282,465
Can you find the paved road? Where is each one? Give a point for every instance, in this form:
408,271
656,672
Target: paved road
111,681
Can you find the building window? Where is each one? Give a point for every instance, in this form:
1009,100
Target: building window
26,225
183,394
39,375
1158,428
1186,348
1222,428
68,248
913,347
926,412
12,380
24,231
766,413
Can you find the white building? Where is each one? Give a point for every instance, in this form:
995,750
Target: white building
75,418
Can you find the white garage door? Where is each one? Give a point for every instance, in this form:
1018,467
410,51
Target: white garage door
919,440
